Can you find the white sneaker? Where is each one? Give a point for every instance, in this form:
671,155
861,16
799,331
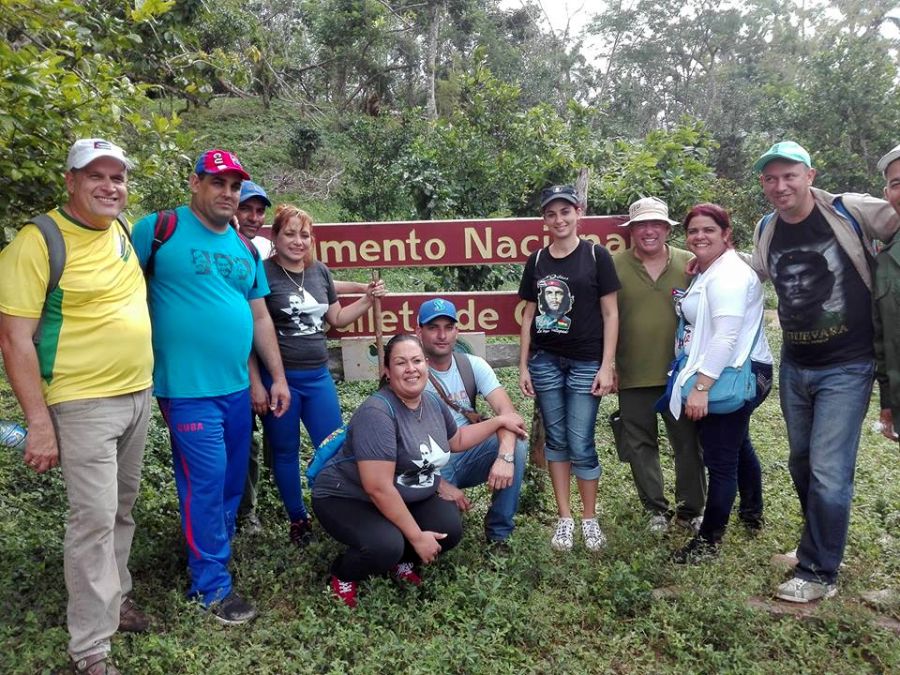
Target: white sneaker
594,539
659,523
564,537
803,590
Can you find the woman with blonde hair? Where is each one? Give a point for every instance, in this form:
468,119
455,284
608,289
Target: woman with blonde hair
301,301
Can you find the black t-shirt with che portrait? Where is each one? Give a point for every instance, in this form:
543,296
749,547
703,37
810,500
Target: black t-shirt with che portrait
824,306
567,292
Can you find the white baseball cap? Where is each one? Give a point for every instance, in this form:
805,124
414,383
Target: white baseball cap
86,150
649,208
888,159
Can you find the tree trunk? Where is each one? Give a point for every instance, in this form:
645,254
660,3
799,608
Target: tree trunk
431,66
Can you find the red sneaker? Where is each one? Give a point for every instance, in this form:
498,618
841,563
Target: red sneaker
345,590
406,572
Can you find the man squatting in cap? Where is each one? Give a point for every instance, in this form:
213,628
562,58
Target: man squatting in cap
500,460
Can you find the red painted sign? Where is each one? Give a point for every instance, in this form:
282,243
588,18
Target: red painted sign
427,243
493,313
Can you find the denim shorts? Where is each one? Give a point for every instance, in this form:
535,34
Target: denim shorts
563,389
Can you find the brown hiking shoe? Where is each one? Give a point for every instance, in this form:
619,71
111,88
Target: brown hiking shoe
131,619
95,664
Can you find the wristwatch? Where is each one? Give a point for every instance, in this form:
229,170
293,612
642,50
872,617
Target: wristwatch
508,458
701,387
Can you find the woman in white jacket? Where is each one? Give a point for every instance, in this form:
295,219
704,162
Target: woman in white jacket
723,317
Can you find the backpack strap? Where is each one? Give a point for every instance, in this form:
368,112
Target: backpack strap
56,248
464,366
56,258
163,229
838,205
765,220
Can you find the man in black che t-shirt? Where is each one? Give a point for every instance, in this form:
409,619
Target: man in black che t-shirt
816,248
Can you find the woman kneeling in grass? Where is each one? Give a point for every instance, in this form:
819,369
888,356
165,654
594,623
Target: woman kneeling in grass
379,493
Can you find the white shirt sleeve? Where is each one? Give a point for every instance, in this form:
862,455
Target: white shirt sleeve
721,345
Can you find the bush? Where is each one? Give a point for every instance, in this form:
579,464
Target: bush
302,145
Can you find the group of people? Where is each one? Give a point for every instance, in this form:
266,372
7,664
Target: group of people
224,326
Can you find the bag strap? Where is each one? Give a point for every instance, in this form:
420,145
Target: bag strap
163,229
56,248
467,373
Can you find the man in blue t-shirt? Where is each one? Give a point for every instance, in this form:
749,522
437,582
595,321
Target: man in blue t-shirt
206,319
500,460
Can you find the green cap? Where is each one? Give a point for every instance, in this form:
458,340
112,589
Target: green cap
788,150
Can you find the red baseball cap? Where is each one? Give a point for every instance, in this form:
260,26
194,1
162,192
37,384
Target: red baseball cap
220,161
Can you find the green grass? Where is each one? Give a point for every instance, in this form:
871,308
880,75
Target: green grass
533,612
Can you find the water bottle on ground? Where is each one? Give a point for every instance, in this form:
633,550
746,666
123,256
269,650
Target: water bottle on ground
12,435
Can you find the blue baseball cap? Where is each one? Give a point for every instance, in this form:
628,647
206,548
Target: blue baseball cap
250,189
432,309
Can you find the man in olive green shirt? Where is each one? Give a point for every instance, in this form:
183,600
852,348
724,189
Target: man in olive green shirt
651,273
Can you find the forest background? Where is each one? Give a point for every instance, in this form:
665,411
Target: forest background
426,109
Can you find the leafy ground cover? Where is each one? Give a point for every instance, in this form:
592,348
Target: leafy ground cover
533,611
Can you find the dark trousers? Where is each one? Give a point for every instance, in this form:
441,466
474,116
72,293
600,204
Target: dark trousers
374,543
639,421
732,462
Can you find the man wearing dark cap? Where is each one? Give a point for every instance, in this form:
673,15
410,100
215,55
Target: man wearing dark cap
204,326
827,364
85,390
458,378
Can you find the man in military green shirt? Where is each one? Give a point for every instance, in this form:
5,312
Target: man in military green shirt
652,275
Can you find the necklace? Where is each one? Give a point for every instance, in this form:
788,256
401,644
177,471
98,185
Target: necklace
417,411
293,281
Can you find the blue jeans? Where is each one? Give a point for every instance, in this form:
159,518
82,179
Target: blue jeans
314,401
569,409
731,460
471,468
210,452
824,410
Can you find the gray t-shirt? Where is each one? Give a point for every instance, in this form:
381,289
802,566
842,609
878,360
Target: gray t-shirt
383,428
297,304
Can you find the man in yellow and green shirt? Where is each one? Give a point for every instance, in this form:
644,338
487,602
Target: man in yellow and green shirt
85,387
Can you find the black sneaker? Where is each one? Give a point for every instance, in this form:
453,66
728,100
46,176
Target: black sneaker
697,550
753,523
233,610
301,532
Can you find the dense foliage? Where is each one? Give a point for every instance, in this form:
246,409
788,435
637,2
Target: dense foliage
453,108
